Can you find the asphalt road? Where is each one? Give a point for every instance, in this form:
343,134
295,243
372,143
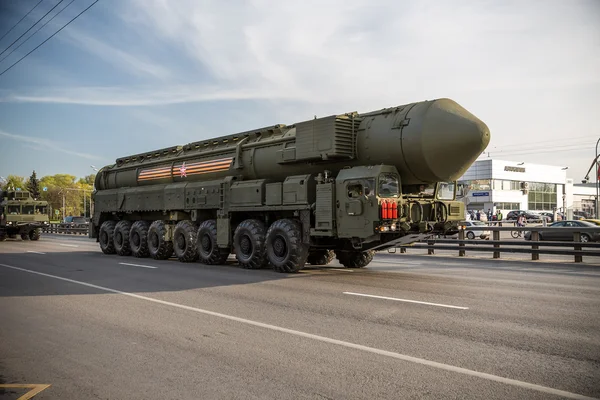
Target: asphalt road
408,327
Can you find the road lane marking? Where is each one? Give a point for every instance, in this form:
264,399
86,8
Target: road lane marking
405,300
68,245
403,357
138,265
35,389
35,252
340,269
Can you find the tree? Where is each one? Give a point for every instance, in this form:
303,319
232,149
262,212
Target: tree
88,180
14,182
34,186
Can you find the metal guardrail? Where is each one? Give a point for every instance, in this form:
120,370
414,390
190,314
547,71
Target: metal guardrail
534,246
56,228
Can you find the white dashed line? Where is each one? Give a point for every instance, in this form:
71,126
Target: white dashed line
68,245
35,252
138,265
407,301
340,269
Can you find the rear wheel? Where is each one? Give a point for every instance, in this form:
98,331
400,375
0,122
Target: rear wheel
355,259
25,236
285,249
320,257
138,239
208,251
121,238
584,238
184,241
35,234
159,247
105,237
249,244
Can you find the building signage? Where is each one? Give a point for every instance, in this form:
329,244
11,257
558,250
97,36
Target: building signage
478,194
514,169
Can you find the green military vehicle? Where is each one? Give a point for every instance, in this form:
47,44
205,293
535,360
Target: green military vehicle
340,186
21,214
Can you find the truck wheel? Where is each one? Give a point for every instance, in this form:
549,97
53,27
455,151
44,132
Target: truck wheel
121,238
2,237
138,239
249,244
105,237
35,234
320,257
185,237
158,247
12,236
208,251
355,259
25,236
285,249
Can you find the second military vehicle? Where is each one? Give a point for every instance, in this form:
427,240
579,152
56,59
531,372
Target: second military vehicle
343,185
22,215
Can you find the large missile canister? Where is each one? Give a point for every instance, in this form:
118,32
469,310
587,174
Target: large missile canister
427,142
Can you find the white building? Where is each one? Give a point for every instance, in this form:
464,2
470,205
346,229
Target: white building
491,184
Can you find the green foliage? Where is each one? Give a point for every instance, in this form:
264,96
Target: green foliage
34,186
14,182
63,192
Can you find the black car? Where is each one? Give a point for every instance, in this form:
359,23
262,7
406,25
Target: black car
556,233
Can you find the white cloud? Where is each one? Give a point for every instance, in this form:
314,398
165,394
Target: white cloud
124,60
48,145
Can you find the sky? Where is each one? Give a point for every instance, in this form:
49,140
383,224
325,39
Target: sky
129,76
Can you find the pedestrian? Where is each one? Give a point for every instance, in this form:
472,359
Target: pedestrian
500,216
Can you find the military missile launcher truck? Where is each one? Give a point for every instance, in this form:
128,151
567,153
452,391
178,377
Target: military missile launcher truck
20,214
339,186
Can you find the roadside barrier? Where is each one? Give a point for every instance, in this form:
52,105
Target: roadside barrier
534,246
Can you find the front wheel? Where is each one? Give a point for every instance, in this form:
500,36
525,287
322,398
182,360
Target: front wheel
355,259
515,234
584,238
285,249
35,234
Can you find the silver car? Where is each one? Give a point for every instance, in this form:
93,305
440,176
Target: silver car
472,234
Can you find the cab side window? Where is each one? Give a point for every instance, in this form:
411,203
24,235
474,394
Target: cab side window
355,190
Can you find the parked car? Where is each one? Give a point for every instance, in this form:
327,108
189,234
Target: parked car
71,222
529,216
556,233
472,234
549,215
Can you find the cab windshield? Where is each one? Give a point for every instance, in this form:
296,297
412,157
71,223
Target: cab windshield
446,191
387,185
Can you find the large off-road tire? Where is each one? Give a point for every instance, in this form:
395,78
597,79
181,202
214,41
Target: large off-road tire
12,236
355,259
35,234
320,257
208,251
2,237
121,238
285,249
138,239
158,246
105,237
25,236
185,238
249,244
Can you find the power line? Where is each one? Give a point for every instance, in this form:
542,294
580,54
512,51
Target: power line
38,29
15,25
64,26
537,151
17,39
585,138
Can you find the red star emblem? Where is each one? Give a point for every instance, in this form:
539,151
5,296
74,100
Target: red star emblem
182,170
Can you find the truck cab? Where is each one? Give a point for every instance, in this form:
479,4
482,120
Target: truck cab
22,215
